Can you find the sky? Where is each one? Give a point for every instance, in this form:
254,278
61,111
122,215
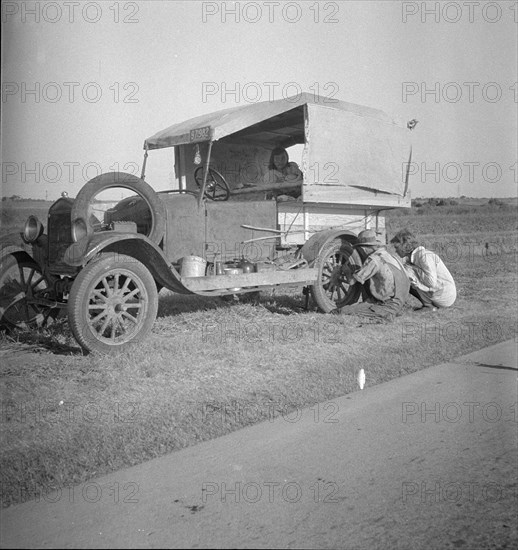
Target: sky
85,83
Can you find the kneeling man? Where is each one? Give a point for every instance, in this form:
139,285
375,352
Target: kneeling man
388,282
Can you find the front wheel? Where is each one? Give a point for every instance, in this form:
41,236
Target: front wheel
331,289
113,302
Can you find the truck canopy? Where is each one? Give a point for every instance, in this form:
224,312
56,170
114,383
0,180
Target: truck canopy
345,145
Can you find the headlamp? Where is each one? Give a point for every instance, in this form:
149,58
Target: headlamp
32,230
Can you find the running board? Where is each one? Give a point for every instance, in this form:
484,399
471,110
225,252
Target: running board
261,279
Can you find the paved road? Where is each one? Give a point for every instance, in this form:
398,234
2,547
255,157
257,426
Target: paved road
425,461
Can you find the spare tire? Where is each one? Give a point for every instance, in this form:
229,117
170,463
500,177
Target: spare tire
80,209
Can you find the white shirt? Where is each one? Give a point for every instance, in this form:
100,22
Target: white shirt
429,275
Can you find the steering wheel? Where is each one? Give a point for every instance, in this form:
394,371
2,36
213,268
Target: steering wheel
216,187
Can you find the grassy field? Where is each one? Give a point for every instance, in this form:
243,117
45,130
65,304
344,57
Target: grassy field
211,367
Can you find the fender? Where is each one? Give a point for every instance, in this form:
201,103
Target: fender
136,245
312,247
13,243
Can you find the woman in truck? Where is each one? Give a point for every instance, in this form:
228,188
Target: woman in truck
280,169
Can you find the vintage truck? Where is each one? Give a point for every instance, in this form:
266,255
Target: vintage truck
224,229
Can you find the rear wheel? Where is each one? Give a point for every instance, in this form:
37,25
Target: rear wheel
113,302
331,290
22,284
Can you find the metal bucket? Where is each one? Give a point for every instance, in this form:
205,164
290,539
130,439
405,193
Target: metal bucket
193,266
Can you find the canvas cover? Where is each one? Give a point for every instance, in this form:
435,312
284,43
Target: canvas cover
347,146
229,121
344,149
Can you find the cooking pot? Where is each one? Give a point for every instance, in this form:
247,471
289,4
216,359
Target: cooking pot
233,271
246,266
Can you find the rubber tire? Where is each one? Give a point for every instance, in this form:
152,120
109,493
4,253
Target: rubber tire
126,181
318,292
109,264
24,261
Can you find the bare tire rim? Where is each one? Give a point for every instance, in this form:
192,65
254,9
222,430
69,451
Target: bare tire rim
335,286
21,283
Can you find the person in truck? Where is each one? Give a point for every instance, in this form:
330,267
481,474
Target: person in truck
280,169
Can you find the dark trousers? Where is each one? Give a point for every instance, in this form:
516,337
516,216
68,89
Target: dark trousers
384,311
415,294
